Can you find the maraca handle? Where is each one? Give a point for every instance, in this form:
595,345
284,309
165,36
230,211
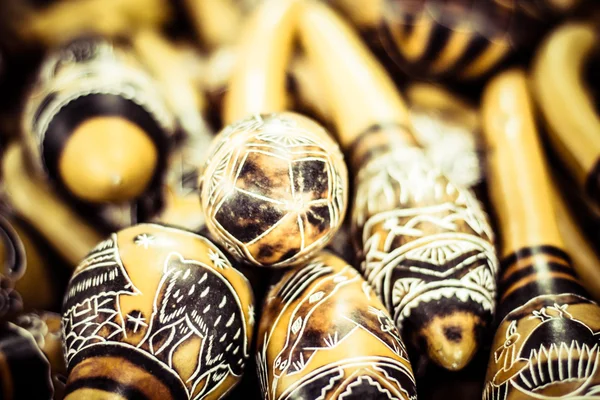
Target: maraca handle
534,262
360,92
258,82
519,182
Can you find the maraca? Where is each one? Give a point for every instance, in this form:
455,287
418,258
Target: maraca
324,333
424,243
96,123
546,345
164,305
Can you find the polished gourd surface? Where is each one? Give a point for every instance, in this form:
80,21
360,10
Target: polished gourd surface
324,332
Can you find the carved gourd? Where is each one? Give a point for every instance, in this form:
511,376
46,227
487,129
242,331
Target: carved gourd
324,333
167,307
274,187
546,345
424,243
96,124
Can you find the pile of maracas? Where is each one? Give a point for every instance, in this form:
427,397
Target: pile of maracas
332,240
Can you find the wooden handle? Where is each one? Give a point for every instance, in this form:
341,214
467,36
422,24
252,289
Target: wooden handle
566,105
309,89
35,201
359,90
258,81
518,179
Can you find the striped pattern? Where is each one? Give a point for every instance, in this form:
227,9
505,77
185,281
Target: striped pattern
463,40
453,48
535,271
145,379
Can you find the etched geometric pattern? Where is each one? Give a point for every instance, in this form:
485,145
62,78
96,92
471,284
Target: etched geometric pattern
422,237
272,178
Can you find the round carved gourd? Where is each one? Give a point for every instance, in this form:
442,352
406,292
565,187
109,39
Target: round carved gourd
324,334
164,305
274,189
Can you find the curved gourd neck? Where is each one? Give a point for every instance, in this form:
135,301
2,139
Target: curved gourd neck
258,81
359,90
